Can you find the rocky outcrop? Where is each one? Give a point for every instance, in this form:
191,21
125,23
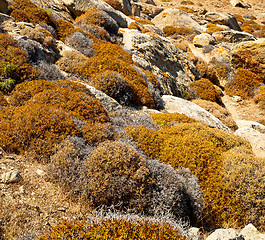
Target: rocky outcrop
192,110
177,18
223,19
158,55
77,7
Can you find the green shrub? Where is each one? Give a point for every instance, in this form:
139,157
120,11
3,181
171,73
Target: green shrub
117,175
244,84
206,90
116,228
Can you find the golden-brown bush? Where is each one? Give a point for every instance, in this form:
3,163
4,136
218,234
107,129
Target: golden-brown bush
206,90
134,25
117,175
219,112
260,97
3,101
34,128
199,148
26,11
169,119
117,228
14,66
64,29
183,31
244,179
211,28
186,9
244,84
74,86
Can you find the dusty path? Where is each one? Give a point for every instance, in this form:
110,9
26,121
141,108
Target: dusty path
245,113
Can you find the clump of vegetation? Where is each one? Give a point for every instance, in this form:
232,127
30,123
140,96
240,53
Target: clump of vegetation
64,29
135,25
169,119
114,86
26,11
117,175
183,31
206,90
142,21
14,66
117,228
186,9
244,84
199,148
219,112
3,101
244,177
260,97
211,28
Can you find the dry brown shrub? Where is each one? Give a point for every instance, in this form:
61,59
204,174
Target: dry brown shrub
219,112
260,97
117,175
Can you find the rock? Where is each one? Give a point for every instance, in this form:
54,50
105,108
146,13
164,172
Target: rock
253,132
233,36
150,9
77,7
192,110
21,189
240,3
250,55
158,55
5,17
3,6
236,98
11,176
194,233
177,18
203,40
225,234
223,19
40,172
108,103
251,233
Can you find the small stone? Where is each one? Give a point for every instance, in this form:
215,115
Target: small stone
21,189
194,233
40,172
236,98
204,39
251,233
10,177
240,3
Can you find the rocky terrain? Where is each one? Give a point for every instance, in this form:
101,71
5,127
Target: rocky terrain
132,119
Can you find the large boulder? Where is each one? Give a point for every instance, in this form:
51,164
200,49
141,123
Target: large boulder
77,7
177,18
250,55
174,104
223,19
251,233
233,36
158,55
225,234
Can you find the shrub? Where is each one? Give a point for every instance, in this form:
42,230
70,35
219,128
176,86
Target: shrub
183,31
115,86
3,101
186,9
64,29
14,67
244,177
134,25
26,11
97,17
74,86
81,43
244,84
260,97
49,71
206,90
219,112
116,228
34,128
117,175
199,148
211,28
169,119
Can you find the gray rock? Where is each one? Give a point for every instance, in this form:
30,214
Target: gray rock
224,19
233,36
150,9
225,234
177,18
158,55
77,7
240,3
194,233
251,233
11,176
5,17
192,110
204,39
3,6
